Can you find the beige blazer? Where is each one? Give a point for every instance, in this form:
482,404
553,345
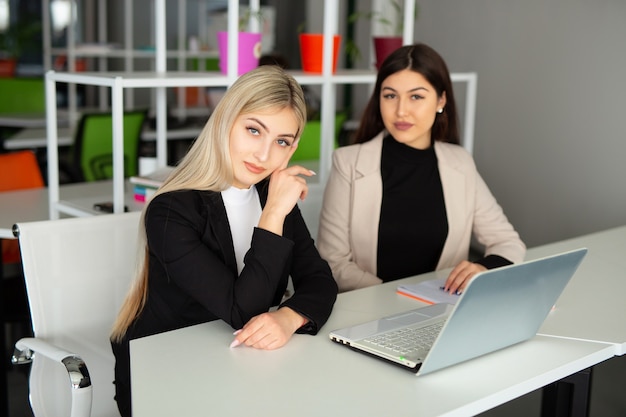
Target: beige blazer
348,230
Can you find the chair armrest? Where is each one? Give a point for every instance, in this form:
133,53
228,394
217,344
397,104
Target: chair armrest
75,366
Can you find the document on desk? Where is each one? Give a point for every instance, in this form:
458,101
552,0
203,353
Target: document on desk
153,179
429,292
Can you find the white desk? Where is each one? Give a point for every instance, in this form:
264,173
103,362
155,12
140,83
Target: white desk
32,205
183,133
36,137
193,372
596,290
31,120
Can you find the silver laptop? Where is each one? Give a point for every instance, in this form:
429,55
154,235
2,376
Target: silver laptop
498,308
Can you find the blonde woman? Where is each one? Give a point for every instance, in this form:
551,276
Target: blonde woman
223,234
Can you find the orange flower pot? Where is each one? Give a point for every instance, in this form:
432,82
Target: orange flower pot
311,51
7,67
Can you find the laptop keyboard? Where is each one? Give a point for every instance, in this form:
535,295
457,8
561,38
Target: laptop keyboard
408,340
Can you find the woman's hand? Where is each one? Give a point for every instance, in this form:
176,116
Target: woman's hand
285,189
461,275
269,330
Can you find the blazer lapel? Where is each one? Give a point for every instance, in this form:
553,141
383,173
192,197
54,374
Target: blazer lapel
219,222
454,190
368,192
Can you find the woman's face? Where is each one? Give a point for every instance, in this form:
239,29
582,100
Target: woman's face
260,143
408,105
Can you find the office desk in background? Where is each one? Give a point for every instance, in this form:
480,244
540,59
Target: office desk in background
36,138
31,120
32,205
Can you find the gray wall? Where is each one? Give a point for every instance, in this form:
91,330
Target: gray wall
549,136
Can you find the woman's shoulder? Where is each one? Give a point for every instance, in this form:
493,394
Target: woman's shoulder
355,151
184,201
347,151
185,195
453,154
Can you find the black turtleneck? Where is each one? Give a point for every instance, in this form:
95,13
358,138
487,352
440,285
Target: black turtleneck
413,223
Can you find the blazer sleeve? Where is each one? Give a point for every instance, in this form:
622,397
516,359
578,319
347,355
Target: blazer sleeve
492,228
188,243
315,290
334,238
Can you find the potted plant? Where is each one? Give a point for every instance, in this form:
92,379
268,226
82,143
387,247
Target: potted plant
249,44
9,51
312,50
13,41
385,43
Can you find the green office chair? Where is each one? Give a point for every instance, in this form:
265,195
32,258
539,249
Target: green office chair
309,144
92,155
22,95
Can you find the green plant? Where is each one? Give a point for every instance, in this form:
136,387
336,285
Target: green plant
9,45
247,16
18,38
394,28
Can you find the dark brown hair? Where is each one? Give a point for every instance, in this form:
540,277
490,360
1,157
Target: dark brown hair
427,62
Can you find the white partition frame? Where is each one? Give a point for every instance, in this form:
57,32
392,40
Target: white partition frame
161,79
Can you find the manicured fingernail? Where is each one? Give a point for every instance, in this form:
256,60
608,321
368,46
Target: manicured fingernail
312,172
235,343
236,332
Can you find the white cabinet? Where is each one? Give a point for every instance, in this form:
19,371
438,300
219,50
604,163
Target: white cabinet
161,79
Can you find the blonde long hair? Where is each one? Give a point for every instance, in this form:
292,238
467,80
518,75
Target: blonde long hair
207,165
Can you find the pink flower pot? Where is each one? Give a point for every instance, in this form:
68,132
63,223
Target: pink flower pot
249,51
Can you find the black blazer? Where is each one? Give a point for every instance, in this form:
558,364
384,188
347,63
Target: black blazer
193,275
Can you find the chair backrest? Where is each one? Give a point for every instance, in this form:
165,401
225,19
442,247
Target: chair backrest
18,171
22,95
93,145
77,273
309,144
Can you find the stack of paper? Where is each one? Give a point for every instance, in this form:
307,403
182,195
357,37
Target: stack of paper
429,292
146,185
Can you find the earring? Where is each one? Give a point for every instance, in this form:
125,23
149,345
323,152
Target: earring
440,111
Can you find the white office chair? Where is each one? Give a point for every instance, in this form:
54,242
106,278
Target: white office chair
77,273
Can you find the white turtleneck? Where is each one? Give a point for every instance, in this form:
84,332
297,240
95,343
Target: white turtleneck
243,209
